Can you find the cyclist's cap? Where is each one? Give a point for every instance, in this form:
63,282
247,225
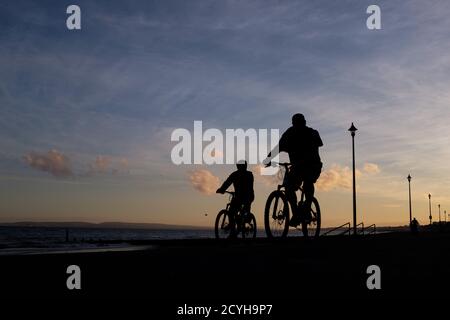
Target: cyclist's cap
298,120
241,165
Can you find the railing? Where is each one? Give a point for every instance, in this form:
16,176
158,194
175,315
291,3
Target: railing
364,230
373,228
340,227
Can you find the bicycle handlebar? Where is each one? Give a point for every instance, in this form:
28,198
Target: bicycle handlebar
283,164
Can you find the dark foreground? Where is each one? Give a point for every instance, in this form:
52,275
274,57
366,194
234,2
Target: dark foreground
209,271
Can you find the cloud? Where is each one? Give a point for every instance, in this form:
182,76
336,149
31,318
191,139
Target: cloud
105,164
59,165
267,180
101,164
371,168
204,181
122,166
338,177
334,178
53,162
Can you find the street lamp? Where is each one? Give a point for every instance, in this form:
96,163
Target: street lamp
352,130
439,206
410,210
429,203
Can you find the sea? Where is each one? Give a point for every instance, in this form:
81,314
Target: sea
36,240
24,240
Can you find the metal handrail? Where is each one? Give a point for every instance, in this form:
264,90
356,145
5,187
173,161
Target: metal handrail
334,229
374,229
362,228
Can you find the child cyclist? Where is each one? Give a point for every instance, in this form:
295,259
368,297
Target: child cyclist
242,181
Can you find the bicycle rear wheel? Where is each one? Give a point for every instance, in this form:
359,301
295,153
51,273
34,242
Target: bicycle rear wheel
276,215
312,229
249,227
223,227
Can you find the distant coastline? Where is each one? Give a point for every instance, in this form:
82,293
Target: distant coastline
146,226
103,225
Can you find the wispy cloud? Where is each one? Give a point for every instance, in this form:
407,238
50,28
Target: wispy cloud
204,181
53,162
108,165
339,177
336,177
267,180
371,168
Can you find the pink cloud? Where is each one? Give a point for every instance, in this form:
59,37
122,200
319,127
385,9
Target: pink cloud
338,177
204,181
53,162
371,168
270,180
105,164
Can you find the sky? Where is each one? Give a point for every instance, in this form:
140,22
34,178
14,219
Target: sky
86,115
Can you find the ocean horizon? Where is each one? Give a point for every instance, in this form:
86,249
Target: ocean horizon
19,239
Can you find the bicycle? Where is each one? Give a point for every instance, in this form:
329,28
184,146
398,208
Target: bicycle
277,215
244,222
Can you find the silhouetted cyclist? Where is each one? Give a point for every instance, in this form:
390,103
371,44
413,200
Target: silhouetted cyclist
302,144
242,181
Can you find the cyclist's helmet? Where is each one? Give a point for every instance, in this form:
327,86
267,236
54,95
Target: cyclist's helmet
241,165
298,120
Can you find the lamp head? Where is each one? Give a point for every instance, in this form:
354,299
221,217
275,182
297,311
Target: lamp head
352,129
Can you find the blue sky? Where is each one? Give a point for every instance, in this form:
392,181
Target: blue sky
138,69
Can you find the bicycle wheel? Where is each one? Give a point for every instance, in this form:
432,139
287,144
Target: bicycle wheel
249,227
276,215
223,226
312,229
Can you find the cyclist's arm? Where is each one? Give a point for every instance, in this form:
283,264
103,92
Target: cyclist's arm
226,184
280,147
319,141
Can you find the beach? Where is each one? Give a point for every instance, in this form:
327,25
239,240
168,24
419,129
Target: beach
259,269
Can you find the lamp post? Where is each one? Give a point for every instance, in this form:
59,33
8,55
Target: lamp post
410,210
352,130
445,213
439,206
429,203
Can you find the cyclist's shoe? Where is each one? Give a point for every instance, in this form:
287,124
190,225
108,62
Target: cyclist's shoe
247,217
307,217
294,221
305,213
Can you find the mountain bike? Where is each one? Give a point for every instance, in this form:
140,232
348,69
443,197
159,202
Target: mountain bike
277,213
244,222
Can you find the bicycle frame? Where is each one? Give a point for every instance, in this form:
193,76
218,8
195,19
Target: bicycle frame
283,186
229,203
238,216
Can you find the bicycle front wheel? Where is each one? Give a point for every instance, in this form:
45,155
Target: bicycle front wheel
249,227
223,226
312,229
276,215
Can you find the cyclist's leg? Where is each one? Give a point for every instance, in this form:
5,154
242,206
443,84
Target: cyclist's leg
308,190
246,209
293,183
310,177
234,208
